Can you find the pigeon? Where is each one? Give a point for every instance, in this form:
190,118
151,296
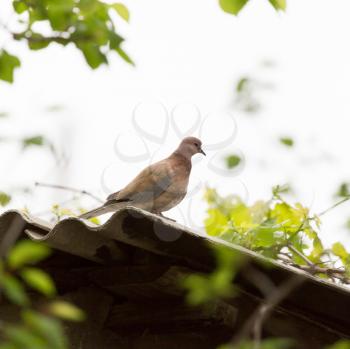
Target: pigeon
159,187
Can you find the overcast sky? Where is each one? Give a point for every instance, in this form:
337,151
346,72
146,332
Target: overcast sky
188,55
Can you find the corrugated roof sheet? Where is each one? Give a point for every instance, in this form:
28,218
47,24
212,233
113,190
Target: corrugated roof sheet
327,302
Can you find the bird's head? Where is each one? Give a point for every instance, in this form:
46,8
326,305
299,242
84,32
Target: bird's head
190,146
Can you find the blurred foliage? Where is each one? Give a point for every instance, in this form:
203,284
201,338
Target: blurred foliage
64,212
87,24
204,288
245,95
36,140
278,230
247,89
39,326
287,141
232,161
235,6
342,344
4,199
343,190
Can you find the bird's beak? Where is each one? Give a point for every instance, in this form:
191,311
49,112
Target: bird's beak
202,152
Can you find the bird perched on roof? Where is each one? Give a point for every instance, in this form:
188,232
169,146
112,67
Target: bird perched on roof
159,187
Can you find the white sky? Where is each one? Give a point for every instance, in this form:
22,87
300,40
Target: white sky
190,51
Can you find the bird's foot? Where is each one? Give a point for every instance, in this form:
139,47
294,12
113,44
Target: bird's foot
170,219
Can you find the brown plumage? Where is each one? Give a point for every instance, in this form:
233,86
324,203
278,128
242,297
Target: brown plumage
159,187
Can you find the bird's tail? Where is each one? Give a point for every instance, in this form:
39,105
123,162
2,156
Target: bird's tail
101,210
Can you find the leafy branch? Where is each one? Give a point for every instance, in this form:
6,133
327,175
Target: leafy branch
88,25
279,230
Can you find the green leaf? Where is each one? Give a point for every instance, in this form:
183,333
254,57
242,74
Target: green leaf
124,55
287,141
232,6
37,42
4,198
341,344
27,252
19,6
49,329
242,84
339,250
122,10
343,190
33,141
279,4
241,216
216,222
114,40
317,250
39,281
13,290
66,311
22,337
264,236
8,63
232,161
93,55
3,114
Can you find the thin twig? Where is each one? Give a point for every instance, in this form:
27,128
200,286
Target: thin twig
315,268
255,322
334,206
74,190
302,256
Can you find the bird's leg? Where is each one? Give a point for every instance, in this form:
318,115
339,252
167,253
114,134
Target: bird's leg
161,214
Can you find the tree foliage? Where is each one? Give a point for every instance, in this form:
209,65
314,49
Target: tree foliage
279,230
87,24
39,326
235,6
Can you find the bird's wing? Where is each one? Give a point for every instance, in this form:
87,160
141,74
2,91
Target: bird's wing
147,185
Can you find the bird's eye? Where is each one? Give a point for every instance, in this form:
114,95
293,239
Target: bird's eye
196,144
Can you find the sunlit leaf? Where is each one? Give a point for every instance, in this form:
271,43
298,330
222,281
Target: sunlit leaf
122,10
39,281
216,222
264,236
241,217
339,250
66,311
27,252
279,4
